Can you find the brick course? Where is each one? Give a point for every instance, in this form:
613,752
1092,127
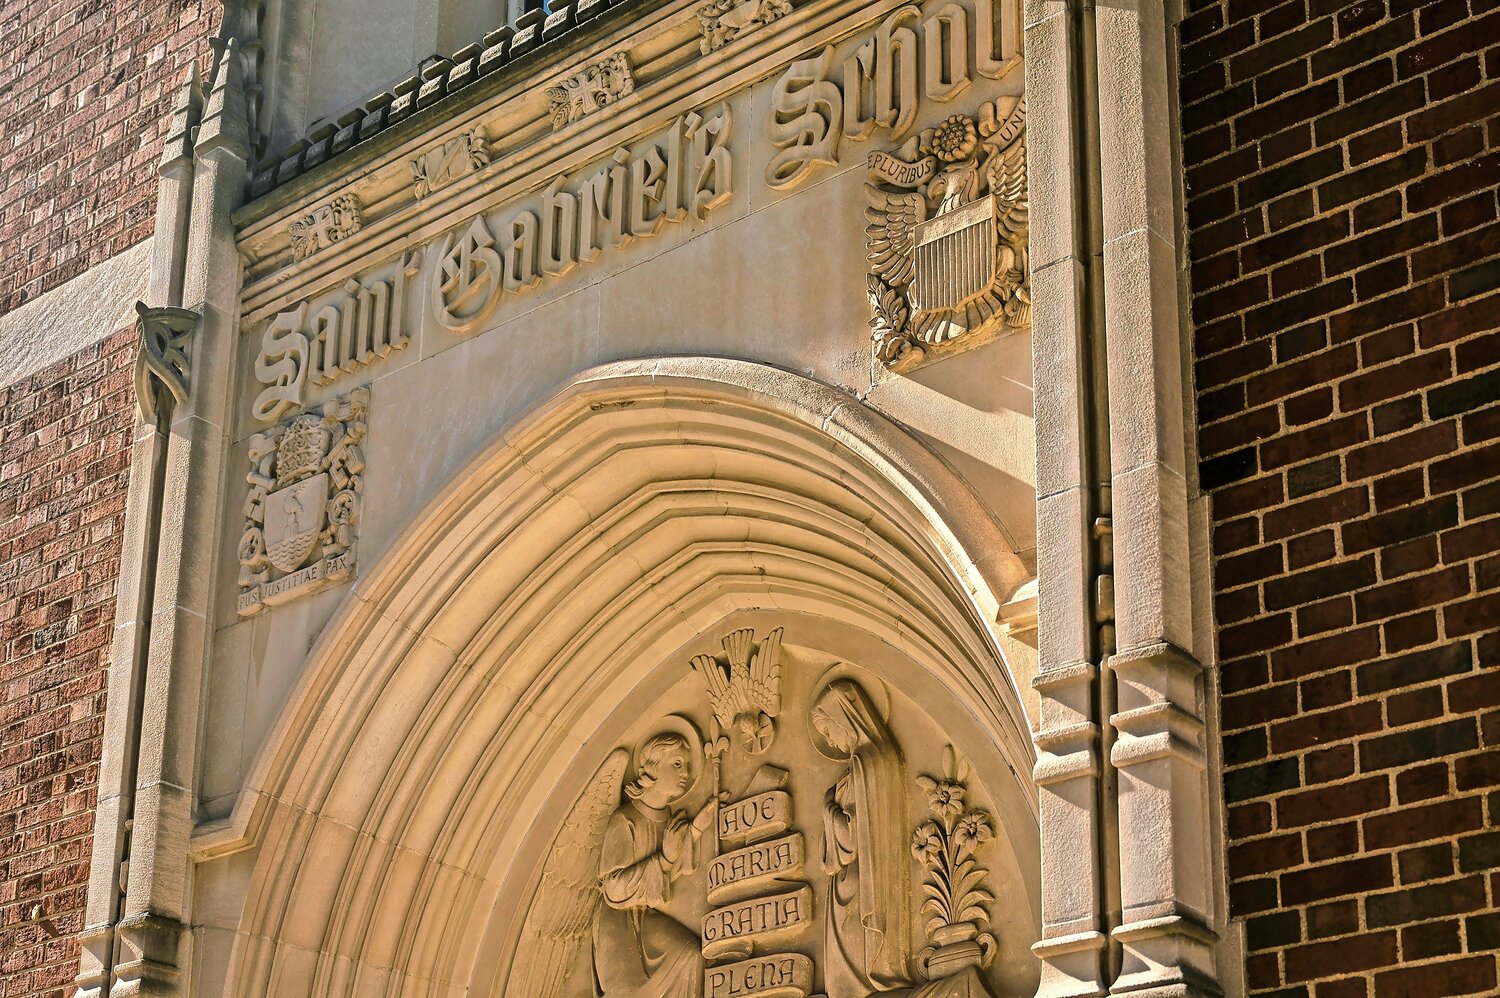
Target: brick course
87,88
1342,163
64,455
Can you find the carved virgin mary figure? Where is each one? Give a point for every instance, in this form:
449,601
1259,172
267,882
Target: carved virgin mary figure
639,950
867,948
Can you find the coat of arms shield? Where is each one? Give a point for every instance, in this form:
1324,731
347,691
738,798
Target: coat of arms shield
294,519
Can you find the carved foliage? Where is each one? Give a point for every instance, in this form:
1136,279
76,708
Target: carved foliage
590,89
442,165
326,225
946,239
722,21
955,900
161,360
306,481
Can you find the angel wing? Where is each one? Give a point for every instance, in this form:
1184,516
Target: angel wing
891,234
560,921
720,696
765,675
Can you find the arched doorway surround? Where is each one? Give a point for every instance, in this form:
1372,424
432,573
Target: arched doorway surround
502,642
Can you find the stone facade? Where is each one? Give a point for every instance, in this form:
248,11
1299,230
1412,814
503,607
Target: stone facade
1342,173
747,498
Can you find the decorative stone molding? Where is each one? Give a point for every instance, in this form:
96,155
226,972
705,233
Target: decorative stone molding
300,346
161,361
322,227
306,483
947,236
722,21
590,89
882,83
443,164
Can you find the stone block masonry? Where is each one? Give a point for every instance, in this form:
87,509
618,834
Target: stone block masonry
88,87
64,455
1342,162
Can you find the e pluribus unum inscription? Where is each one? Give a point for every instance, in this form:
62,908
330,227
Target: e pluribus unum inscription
756,844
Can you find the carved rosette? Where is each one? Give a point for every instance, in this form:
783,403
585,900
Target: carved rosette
306,481
946,239
161,360
322,227
591,88
722,21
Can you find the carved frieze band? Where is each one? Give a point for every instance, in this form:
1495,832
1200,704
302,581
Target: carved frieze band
306,484
590,89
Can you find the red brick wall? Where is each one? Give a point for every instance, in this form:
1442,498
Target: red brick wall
1342,161
64,454
85,90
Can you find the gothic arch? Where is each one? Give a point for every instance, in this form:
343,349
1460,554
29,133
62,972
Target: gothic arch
464,679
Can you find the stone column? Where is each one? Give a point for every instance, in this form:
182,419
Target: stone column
153,929
119,758
1159,749
1072,770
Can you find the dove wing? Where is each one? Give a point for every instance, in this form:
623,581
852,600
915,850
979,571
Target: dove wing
765,675
560,921
1007,179
891,235
720,697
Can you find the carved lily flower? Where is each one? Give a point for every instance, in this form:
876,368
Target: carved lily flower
955,138
945,798
972,829
927,842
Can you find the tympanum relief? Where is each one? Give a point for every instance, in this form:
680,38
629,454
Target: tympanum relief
765,840
306,482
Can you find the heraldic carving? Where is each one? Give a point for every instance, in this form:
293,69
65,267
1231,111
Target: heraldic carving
590,89
791,871
722,21
946,238
322,227
449,161
306,481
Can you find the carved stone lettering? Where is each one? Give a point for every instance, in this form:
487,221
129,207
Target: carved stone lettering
722,21
632,195
322,227
306,482
456,158
363,325
880,84
753,865
789,975
756,921
591,88
756,818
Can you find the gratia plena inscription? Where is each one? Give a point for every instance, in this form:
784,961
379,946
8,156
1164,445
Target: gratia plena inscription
789,975
688,168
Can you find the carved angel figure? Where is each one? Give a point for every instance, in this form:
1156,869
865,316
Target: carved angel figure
611,871
946,239
746,696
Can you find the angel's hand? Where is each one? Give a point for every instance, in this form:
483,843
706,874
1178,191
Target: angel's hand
674,838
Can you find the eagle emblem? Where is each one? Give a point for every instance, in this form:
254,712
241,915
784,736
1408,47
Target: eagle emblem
745,692
946,239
